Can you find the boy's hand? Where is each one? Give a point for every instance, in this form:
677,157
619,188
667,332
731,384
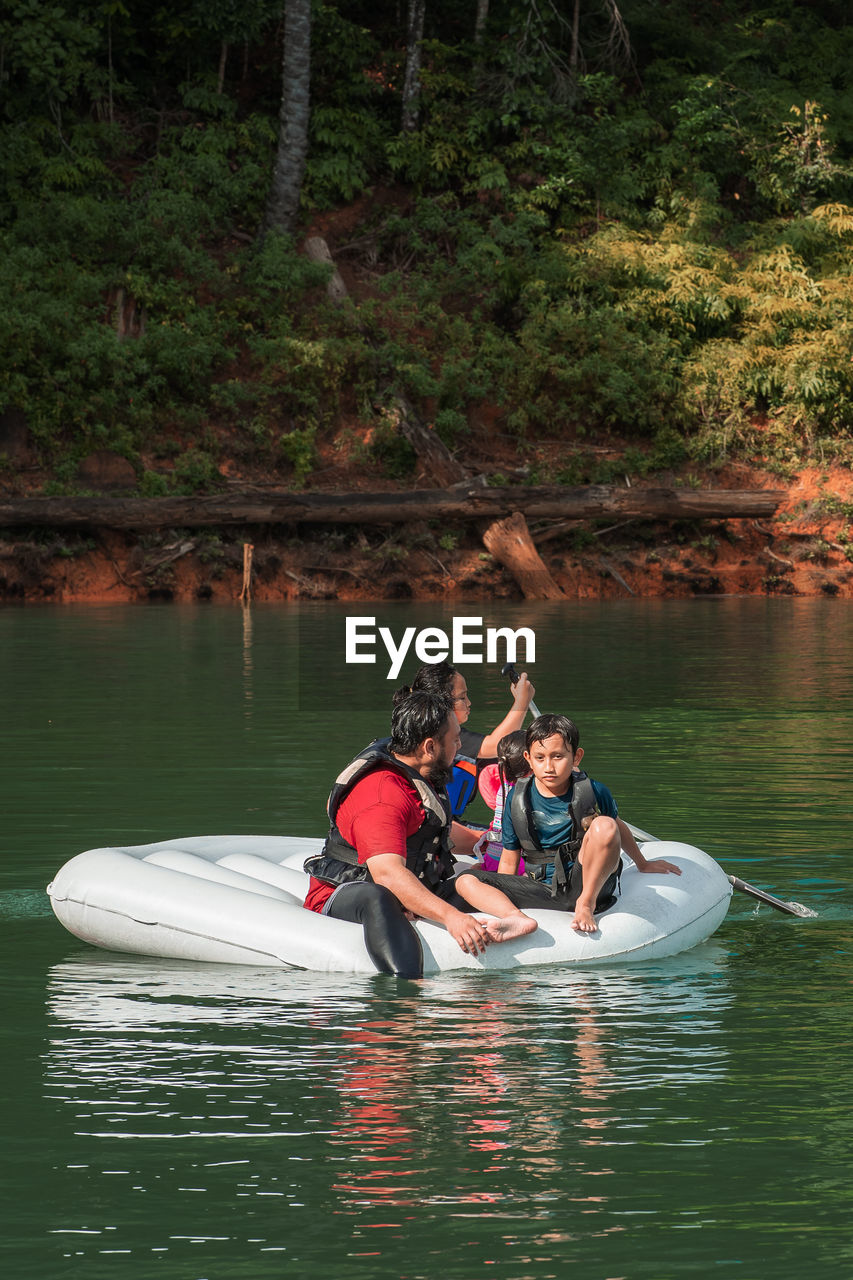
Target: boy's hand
661,865
523,691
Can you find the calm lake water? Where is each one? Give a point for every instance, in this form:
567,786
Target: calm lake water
687,1118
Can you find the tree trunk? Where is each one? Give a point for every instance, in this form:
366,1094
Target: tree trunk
110,69
574,56
294,116
481,20
463,502
439,464
510,543
412,80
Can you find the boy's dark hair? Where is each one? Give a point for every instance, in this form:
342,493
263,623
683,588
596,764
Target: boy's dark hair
416,717
435,677
544,726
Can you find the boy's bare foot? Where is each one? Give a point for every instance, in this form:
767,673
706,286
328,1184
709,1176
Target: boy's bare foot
584,920
509,927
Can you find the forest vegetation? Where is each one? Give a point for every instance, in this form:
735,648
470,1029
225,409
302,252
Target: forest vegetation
561,222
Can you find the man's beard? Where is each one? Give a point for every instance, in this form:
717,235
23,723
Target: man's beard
440,774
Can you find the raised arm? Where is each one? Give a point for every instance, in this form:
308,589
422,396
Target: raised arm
522,694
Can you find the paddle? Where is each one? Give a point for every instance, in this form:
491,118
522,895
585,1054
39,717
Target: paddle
509,670
789,908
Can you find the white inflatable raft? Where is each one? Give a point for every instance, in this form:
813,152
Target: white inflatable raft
237,900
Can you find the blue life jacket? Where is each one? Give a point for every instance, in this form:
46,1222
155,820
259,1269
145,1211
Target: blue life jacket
462,786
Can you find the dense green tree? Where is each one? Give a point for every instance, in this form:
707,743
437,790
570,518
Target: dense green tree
583,236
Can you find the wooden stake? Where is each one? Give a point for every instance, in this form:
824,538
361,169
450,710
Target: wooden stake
246,593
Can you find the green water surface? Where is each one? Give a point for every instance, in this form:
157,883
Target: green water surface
686,1118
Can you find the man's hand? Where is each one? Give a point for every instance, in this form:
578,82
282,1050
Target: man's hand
468,931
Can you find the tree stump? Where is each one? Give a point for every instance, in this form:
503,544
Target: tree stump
318,251
509,541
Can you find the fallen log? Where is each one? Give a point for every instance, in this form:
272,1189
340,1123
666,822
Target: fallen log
462,503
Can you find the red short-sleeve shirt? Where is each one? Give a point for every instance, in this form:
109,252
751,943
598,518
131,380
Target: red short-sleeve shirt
378,816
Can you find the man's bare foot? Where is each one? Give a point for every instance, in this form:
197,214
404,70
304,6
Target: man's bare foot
509,927
584,920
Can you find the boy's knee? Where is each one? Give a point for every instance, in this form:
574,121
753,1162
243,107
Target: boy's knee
602,840
604,831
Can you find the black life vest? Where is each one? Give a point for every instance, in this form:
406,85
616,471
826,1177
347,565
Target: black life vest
428,854
582,805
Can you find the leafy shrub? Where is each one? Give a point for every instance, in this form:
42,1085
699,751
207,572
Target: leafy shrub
196,472
298,446
587,369
393,452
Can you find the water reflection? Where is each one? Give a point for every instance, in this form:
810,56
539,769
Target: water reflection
248,691
395,1105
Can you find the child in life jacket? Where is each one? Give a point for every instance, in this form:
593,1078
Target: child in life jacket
495,782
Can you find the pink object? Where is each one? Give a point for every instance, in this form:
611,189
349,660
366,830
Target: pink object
490,861
489,784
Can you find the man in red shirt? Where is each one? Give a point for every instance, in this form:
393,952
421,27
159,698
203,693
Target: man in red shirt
388,861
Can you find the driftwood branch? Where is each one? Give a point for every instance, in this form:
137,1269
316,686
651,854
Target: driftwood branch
509,541
462,503
614,573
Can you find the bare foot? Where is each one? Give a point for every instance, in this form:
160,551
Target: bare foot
509,927
584,920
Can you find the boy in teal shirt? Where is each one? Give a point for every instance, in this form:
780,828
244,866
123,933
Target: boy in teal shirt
569,830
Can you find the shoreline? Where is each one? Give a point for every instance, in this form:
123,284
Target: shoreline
804,550
737,559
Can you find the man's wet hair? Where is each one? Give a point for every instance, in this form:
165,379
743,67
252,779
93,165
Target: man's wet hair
544,726
417,715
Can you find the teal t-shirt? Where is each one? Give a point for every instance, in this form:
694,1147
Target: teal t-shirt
552,818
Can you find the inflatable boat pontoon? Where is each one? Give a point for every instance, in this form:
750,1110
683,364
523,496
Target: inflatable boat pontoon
238,900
